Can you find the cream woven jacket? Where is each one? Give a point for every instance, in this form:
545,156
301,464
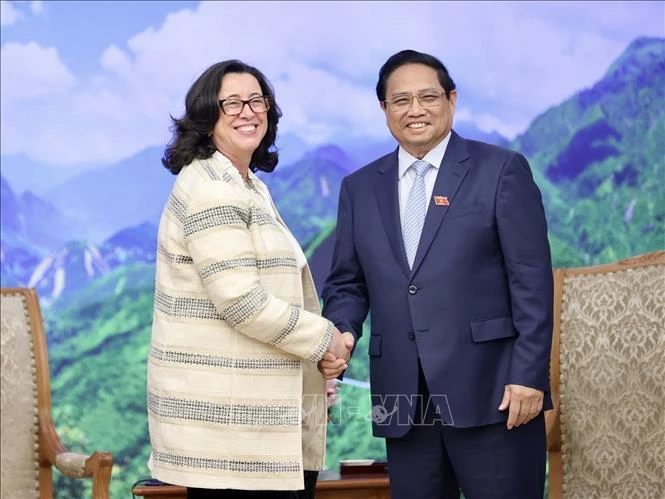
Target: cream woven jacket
234,396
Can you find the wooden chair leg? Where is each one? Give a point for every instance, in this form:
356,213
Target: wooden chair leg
101,465
555,476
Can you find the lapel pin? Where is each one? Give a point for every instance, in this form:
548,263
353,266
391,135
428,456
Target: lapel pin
441,200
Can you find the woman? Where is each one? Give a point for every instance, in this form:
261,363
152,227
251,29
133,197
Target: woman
235,400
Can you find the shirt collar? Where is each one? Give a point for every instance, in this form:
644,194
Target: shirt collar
434,157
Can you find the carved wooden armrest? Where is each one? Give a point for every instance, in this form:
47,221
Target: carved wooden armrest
71,464
97,466
76,465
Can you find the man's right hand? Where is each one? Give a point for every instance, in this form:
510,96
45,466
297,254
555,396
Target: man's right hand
335,361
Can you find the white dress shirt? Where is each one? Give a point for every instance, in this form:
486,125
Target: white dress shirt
263,191
407,176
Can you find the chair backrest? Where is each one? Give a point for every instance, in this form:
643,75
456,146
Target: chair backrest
20,396
608,369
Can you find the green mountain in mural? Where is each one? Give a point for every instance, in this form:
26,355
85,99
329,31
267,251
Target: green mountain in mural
306,192
600,159
98,340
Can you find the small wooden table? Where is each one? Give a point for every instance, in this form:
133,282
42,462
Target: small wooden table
160,491
329,486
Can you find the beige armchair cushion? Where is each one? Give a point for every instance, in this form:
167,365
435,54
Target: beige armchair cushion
30,444
612,383
19,434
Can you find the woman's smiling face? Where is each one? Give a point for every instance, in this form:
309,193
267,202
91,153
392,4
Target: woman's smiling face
238,136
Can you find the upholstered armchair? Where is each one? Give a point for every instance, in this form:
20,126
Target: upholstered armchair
30,445
606,434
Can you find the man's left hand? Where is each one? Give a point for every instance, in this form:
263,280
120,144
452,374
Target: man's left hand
525,404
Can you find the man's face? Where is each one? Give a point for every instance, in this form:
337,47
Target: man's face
421,123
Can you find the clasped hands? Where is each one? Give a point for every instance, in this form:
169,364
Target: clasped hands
336,359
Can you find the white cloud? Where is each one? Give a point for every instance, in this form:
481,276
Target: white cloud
37,7
462,113
116,61
511,61
8,14
30,72
318,105
489,123
35,83
485,122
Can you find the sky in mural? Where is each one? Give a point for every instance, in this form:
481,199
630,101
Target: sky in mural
95,82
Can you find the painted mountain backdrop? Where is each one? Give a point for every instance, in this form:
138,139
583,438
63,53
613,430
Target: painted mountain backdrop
87,243
603,153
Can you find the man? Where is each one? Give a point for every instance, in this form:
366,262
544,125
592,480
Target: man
444,242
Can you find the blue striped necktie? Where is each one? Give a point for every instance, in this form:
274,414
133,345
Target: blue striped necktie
414,214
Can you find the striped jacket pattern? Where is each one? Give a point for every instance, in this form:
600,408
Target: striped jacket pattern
234,396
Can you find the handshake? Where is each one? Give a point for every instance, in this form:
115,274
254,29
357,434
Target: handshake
336,359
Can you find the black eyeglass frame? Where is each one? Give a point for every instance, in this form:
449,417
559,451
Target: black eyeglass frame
266,102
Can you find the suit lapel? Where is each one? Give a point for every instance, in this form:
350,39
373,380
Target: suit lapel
387,198
452,171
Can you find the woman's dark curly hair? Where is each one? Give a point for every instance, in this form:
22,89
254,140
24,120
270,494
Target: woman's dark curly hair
191,139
